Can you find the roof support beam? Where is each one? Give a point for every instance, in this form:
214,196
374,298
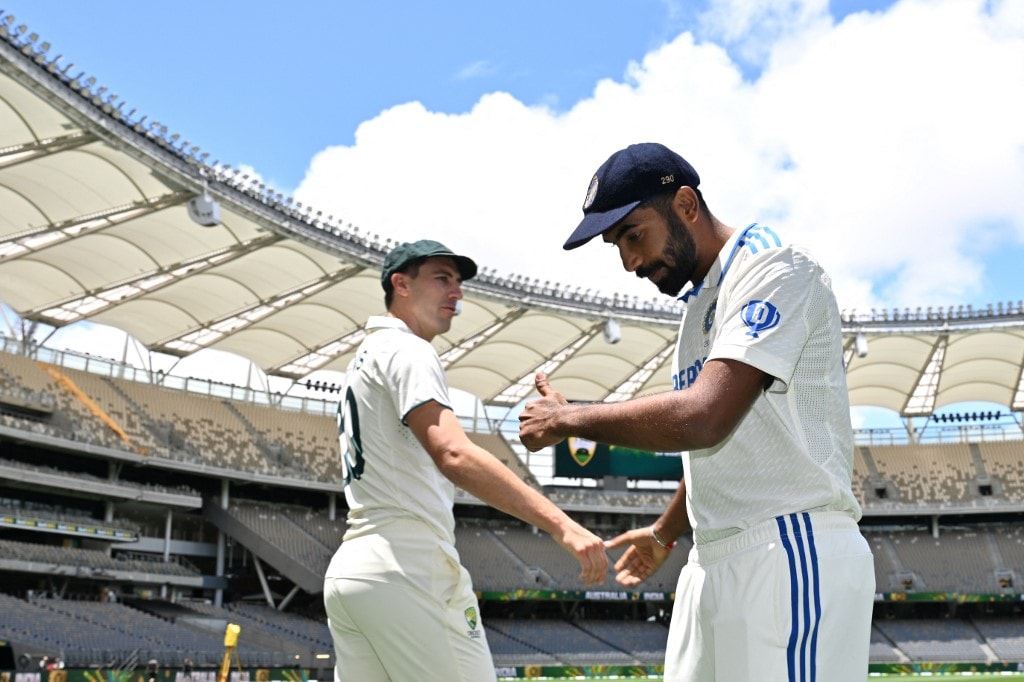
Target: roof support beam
300,366
12,156
1018,395
457,352
631,386
517,391
922,399
92,302
36,239
210,333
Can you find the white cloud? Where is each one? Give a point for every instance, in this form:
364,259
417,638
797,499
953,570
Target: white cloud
753,26
890,143
476,70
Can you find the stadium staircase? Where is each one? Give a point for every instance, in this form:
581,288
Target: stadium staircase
307,575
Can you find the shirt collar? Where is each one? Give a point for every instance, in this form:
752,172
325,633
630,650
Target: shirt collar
375,322
720,267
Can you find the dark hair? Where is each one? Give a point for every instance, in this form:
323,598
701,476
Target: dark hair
412,268
662,203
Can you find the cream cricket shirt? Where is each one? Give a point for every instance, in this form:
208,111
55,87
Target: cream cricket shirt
770,306
390,478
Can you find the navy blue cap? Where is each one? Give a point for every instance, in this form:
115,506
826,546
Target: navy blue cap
628,178
402,254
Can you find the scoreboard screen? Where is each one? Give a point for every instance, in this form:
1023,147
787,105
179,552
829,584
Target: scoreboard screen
582,458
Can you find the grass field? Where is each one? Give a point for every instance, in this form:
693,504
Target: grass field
975,677
972,677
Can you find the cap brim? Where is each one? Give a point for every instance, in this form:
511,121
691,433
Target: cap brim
466,266
594,224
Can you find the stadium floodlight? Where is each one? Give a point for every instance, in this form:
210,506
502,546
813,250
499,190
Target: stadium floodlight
612,331
860,344
203,209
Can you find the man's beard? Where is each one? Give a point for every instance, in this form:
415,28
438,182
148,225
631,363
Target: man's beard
679,258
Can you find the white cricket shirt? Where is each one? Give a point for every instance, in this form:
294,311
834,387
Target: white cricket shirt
771,306
389,476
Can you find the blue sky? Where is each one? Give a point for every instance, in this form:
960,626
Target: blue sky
885,135
258,83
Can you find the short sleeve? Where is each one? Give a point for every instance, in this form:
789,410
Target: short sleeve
415,377
763,315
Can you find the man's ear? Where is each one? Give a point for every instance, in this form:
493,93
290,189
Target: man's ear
400,282
686,204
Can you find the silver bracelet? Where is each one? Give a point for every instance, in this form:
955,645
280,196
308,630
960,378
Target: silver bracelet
660,540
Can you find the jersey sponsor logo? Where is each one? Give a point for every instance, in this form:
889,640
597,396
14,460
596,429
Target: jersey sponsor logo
760,316
685,378
582,450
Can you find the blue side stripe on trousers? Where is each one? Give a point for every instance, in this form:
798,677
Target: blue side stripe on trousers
817,596
803,590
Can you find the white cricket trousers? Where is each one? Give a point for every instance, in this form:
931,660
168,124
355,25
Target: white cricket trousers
415,620
787,600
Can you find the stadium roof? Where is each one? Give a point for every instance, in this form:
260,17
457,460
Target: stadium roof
96,226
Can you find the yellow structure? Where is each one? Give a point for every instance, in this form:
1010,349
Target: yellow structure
65,382
230,643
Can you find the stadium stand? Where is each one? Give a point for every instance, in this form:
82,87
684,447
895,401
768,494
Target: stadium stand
70,418
495,566
563,641
644,641
294,541
1003,462
958,560
927,474
508,650
272,624
203,427
303,437
75,560
115,403
882,649
1005,635
319,525
935,640
45,518
10,469
94,634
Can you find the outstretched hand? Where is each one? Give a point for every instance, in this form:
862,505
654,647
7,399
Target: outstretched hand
641,560
589,550
536,421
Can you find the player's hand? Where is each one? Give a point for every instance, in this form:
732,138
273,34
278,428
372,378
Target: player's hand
640,561
589,551
537,420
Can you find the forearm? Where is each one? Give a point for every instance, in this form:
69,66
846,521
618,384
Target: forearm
698,417
662,422
674,521
481,474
